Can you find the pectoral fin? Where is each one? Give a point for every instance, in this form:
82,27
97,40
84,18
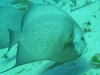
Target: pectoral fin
69,42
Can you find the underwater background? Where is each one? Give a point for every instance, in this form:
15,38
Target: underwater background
87,14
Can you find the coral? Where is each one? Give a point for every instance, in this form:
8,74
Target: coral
56,1
20,71
94,16
20,1
44,0
23,5
24,8
88,23
78,7
95,61
84,74
63,4
4,56
87,30
74,2
87,27
97,74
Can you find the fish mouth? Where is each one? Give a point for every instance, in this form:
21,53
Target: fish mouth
80,52
76,47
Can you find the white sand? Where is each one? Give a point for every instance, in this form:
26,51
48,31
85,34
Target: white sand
89,13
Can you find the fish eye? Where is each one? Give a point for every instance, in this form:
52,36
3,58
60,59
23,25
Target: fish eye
82,38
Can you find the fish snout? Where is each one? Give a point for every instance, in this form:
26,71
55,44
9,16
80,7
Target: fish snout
80,44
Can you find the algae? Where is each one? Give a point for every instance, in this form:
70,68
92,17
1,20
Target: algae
95,61
22,5
57,1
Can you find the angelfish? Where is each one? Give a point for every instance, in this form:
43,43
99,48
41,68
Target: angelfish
47,33
10,18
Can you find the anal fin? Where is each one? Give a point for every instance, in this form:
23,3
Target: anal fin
52,67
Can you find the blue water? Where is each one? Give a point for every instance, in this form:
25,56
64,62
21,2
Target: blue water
86,13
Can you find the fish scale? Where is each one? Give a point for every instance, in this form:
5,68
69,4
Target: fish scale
46,33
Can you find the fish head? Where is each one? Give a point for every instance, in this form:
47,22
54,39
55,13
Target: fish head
80,43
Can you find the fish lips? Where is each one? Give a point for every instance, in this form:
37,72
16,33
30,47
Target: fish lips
78,50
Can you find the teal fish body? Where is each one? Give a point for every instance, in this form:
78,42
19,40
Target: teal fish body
48,33
10,18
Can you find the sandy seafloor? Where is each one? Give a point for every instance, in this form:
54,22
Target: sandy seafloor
88,18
